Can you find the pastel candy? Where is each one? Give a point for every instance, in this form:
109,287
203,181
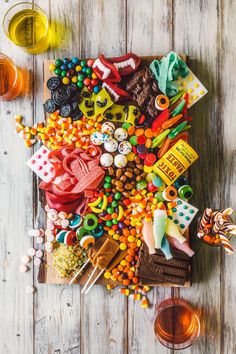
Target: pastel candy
75,221
181,246
159,226
148,236
173,231
165,247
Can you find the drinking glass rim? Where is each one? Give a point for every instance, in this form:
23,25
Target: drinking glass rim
13,65
32,5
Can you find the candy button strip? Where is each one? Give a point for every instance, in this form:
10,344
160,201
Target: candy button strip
41,165
183,214
193,87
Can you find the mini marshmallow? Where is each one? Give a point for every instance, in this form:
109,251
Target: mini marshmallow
23,268
30,289
31,252
25,259
39,253
37,261
39,240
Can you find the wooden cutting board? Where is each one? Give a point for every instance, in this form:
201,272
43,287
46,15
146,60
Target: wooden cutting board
47,273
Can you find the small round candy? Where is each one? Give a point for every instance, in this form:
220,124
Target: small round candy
75,60
81,77
181,181
58,62
25,259
96,89
83,63
37,261
31,252
52,67
96,138
87,241
120,134
124,147
90,63
111,145
120,161
106,160
30,289
70,238
150,176
162,102
39,254
108,127
169,193
90,222
157,181
23,268
141,185
71,66
185,192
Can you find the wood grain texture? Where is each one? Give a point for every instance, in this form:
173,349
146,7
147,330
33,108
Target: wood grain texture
191,22
57,308
16,307
57,319
227,25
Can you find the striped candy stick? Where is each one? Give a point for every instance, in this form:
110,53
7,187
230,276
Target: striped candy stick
226,244
205,220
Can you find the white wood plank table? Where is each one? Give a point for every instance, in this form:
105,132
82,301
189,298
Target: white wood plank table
57,319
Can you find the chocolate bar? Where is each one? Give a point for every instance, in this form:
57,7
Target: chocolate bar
156,269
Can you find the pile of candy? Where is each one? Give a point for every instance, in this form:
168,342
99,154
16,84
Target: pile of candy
112,164
216,227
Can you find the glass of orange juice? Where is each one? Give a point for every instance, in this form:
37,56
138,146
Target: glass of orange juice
11,81
27,26
177,325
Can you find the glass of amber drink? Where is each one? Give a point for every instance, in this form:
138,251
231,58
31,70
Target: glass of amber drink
10,79
176,326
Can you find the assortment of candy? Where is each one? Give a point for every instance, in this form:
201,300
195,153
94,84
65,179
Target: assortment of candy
115,150
216,228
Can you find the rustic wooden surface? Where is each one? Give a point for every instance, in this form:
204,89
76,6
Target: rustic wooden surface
57,319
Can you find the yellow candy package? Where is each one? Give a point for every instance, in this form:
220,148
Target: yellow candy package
175,162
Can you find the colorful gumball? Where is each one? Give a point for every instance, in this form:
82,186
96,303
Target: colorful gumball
124,147
120,134
120,161
111,145
108,128
106,160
